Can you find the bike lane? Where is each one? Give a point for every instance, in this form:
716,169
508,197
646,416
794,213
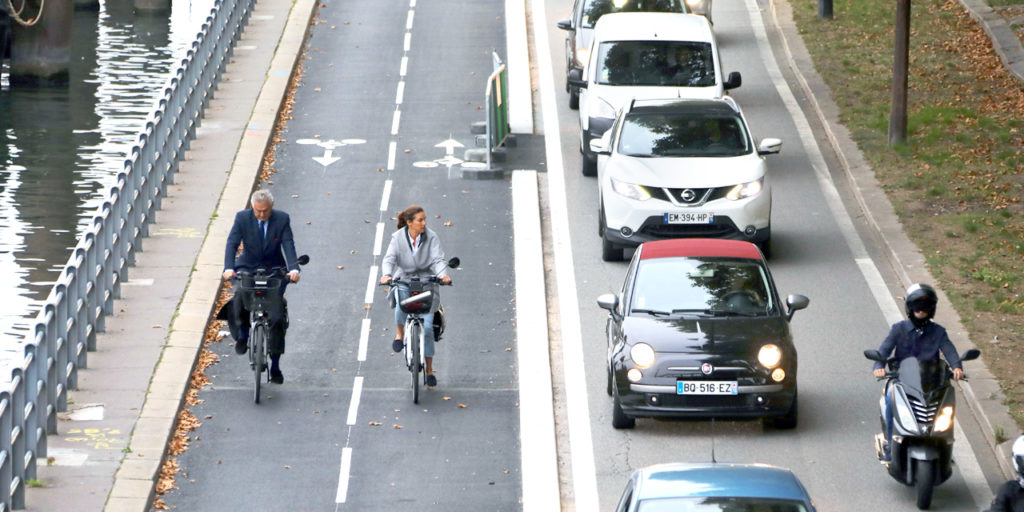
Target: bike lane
382,86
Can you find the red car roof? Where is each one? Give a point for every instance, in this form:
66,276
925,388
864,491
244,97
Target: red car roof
682,247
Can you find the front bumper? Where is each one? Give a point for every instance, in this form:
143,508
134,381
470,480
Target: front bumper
645,400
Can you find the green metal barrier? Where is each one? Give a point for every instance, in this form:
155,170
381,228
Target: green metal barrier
498,128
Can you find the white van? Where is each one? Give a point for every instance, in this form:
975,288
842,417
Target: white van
645,56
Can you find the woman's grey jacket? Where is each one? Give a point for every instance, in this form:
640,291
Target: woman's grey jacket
401,262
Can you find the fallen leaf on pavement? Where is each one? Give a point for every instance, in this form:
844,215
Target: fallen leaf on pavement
341,267
375,423
447,223
463,406
397,426
157,326
447,398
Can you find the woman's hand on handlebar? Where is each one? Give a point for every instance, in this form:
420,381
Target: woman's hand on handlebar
446,280
229,274
385,279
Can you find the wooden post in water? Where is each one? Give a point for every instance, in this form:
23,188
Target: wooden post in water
41,52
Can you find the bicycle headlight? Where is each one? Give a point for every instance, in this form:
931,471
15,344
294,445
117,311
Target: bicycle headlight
642,355
745,190
769,356
944,420
629,190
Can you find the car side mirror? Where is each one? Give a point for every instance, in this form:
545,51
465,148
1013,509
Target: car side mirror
796,302
971,355
575,78
874,355
769,146
608,301
564,24
454,262
302,260
734,81
600,146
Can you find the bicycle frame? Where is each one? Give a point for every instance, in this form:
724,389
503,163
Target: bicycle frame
261,291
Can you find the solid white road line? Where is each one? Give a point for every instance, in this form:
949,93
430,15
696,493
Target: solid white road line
385,196
394,122
584,472
371,284
346,466
353,406
966,461
392,148
520,95
408,20
364,339
400,93
378,238
536,412
403,67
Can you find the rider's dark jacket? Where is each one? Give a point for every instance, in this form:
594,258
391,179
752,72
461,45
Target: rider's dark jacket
1010,498
924,343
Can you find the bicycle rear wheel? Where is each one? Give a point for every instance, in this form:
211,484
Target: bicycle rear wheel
259,341
414,332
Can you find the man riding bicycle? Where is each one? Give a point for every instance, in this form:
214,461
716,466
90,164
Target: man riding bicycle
414,251
267,243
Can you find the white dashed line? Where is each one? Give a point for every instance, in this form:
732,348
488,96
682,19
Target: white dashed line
371,285
394,122
353,406
408,21
378,238
346,466
385,196
408,41
391,156
364,339
412,3
404,67
401,92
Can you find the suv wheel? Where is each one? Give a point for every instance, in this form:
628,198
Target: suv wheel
574,98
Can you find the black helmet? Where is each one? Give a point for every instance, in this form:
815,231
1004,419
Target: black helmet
920,297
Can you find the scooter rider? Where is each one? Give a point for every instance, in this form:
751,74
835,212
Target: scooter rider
1010,497
917,336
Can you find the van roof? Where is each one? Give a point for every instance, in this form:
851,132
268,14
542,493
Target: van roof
647,26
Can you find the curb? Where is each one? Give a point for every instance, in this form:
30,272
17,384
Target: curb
1004,40
134,483
904,257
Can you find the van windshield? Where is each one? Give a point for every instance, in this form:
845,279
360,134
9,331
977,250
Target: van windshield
594,9
656,63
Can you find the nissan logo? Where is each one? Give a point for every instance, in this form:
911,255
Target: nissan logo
706,368
688,195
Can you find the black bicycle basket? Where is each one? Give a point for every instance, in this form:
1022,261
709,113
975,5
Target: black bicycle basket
421,307
260,293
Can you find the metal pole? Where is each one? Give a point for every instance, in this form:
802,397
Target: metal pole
900,65
824,9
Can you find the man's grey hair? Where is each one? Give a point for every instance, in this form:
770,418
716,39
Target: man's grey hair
262,196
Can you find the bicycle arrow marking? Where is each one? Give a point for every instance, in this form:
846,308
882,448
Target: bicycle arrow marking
449,146
327,159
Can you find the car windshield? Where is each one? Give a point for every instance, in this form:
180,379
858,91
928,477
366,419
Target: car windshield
719,504
702,286
594,9
656,63
683,135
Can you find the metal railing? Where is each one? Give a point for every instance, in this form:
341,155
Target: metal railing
83,295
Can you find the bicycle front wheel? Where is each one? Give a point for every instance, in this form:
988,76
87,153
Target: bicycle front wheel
259,341
412,343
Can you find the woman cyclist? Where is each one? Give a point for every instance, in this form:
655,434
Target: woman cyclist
414,251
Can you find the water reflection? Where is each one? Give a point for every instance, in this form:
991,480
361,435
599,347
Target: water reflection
61,148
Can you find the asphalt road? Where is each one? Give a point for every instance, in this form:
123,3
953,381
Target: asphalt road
387,81
817,251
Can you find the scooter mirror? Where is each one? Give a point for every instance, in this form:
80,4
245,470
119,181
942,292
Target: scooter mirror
454,262
873,355
303,259
970,355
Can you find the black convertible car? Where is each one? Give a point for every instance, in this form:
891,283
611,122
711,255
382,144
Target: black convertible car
698,331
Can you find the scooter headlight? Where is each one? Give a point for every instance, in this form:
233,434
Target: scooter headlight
945,419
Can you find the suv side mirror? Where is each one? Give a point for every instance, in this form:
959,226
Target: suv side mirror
564,24
796,302
769,146
600,146
734,81
575,78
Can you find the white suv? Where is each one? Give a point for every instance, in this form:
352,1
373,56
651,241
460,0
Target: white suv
645,55
682,168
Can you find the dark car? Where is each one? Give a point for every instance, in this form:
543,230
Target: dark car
580,27
698,330
682,487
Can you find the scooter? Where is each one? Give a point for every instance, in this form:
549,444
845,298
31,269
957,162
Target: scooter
923,403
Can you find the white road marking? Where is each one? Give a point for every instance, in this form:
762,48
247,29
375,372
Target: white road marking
353,406
394,122
346,466
364,339
378,238
392,148
408,21
371,284
520,96
408,41
536,412
401,92
403,67
969,467
584,472
412,3
385,196
148,281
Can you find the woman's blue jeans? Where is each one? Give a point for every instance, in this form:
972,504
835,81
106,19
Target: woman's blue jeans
402,292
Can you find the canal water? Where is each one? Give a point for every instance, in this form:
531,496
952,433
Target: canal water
61,148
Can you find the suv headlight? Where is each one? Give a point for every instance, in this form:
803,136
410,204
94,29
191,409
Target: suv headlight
642,355
629,190
769,356
745,190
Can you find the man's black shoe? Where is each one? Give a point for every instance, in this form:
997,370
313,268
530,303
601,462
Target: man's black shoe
431,380
241,347
276,377
397,345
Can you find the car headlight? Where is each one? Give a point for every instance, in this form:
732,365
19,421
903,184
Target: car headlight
642,355
629,190
582,57
769,356
945,419
745,190
602,109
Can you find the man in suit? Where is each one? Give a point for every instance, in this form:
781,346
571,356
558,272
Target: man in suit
266,238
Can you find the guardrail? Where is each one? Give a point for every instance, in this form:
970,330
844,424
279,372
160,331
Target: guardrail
496,101
73,313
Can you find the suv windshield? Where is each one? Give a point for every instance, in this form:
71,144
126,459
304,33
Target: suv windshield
656,63
683,135
705,286
594,9
718,504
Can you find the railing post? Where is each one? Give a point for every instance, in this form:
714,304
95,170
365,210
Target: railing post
31,412
18,437
49,334
6,460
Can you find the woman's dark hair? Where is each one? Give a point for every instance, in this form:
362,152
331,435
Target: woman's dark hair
405,216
